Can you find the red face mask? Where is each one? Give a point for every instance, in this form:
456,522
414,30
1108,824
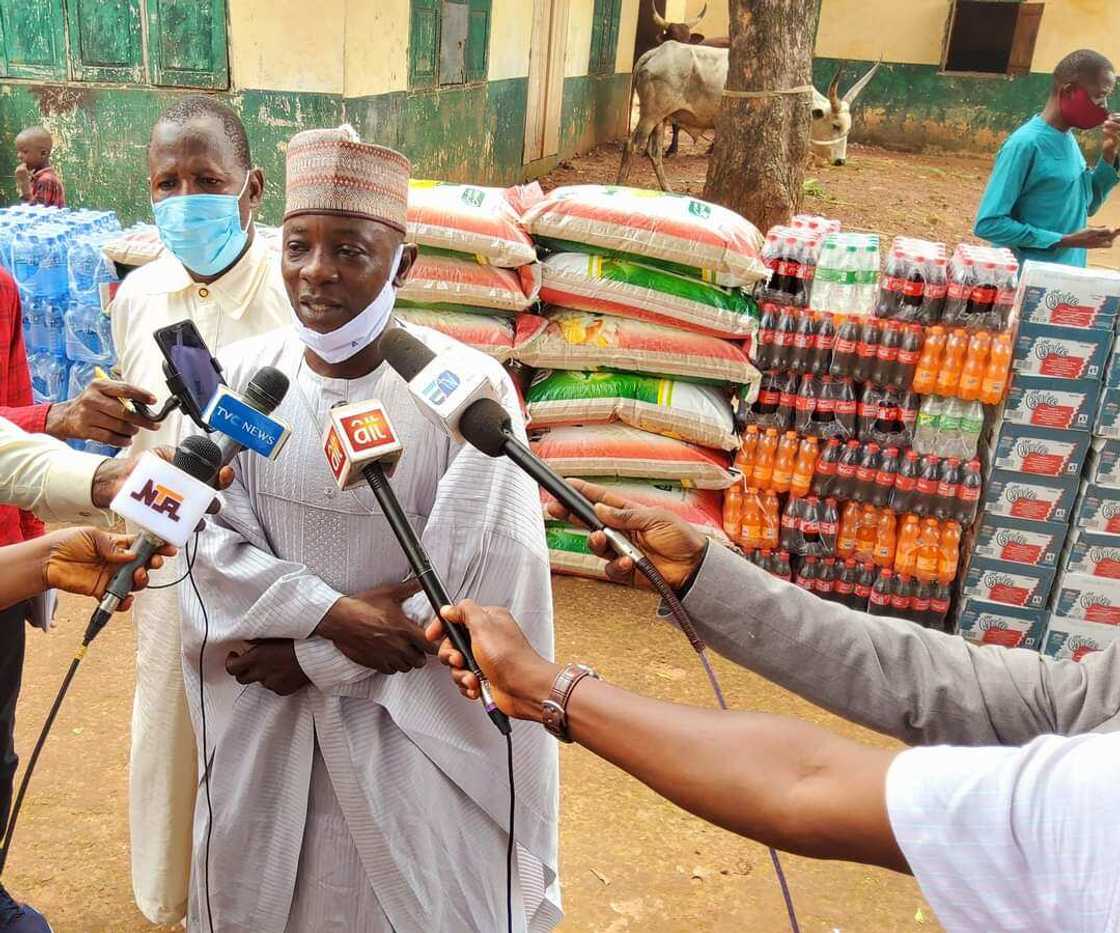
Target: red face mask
1079,110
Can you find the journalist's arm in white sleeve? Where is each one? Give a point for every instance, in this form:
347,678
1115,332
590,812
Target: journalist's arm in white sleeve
44,476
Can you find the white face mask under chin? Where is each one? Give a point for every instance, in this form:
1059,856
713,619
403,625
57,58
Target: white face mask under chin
355,335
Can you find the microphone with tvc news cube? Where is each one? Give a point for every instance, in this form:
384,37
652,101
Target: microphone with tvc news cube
361,446
167,501
245,421
484,424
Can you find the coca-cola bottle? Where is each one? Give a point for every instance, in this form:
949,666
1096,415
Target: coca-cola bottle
864,583
765,408
829,524
826,578
909,404
888,427
968,494
920,603
846,471
804,338
866,351
824,476
823,420
764,354
845,589
807,397
787,400
909,353
885,478
847,408
823,346
783,339
925,492
900,596
948,489
906,483
782,568
865,474
845,349
868,412
790,532
880,602
939,605
811,526
807,574
886,356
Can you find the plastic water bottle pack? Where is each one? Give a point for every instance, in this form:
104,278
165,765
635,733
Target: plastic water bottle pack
847,275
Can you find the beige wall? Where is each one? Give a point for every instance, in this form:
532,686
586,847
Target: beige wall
269,52
912,31
511,26
376,46
715,21
580,15
627,35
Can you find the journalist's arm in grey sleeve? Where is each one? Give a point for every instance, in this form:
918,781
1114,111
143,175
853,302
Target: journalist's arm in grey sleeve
920,686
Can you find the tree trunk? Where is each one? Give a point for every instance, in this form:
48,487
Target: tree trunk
762,143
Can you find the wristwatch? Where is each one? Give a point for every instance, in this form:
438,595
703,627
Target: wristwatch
555,708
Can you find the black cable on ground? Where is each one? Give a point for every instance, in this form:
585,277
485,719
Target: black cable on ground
681,617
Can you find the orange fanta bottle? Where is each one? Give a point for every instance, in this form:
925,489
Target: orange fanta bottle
784,461
975,365
885,539
950,552
994,386
806,466
733,511
929,551
925,377
763,468
751,536
949,375
906,554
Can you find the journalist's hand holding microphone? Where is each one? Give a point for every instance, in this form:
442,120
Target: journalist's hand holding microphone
77,560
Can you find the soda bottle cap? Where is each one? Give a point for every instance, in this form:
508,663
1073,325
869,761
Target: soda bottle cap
850,562
834,442
872,448
911,455
810,560
830,560
853,444
954,462
891,451
886,574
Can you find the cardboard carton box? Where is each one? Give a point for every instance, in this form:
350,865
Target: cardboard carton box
984,623
1072,639
1090,599
1093,554
999,581
1019,541
1102,465
1039,451
1098,509
1066,352
1055,294
1045,402
1038,498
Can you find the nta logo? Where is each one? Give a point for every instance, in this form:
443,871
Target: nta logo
160,499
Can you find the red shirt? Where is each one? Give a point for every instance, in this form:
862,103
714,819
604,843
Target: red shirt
16,402
46,188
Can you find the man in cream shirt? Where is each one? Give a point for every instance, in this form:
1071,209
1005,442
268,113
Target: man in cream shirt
217,273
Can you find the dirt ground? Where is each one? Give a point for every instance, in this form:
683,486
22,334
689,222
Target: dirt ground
629,861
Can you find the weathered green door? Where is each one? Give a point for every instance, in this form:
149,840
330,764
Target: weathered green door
105,40
187,43
34,38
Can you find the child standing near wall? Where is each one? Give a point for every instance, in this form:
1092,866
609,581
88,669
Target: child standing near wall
36,179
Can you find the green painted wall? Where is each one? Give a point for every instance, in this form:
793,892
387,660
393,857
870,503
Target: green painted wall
913,107
474,133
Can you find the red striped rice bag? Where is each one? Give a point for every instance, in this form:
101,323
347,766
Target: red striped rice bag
490,333
631,289
578,340
690,235
468,219
620,452
701,508
455,282
693,413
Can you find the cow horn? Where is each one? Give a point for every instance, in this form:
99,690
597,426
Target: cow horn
834,89
658,20
856,89
693,23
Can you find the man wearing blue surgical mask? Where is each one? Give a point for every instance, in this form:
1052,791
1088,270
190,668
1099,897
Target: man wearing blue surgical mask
217,272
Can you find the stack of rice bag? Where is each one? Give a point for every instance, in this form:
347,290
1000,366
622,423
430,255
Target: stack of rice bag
477,267
645,336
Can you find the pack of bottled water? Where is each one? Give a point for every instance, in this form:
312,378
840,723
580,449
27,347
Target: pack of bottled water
65,282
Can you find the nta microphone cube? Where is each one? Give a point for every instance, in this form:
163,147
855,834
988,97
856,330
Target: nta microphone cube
163,500
357,434
447,387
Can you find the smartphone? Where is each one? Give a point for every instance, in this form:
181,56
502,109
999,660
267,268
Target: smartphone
191,364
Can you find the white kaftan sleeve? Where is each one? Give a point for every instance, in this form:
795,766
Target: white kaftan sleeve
252,593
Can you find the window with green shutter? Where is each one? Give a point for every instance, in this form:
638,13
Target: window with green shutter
105,40
187,43
33,38
449,42
604,36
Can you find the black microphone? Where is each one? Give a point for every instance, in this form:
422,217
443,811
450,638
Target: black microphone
263,394
199,459
485,425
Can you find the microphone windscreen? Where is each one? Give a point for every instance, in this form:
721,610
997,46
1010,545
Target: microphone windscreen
486,425
405,353
266,390
199,457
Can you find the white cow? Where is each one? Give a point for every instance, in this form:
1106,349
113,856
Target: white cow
683,84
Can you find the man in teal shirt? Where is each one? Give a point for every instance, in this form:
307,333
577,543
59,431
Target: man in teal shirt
1042,192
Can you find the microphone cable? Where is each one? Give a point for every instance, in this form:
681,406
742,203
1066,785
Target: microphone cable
91,633
680,615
